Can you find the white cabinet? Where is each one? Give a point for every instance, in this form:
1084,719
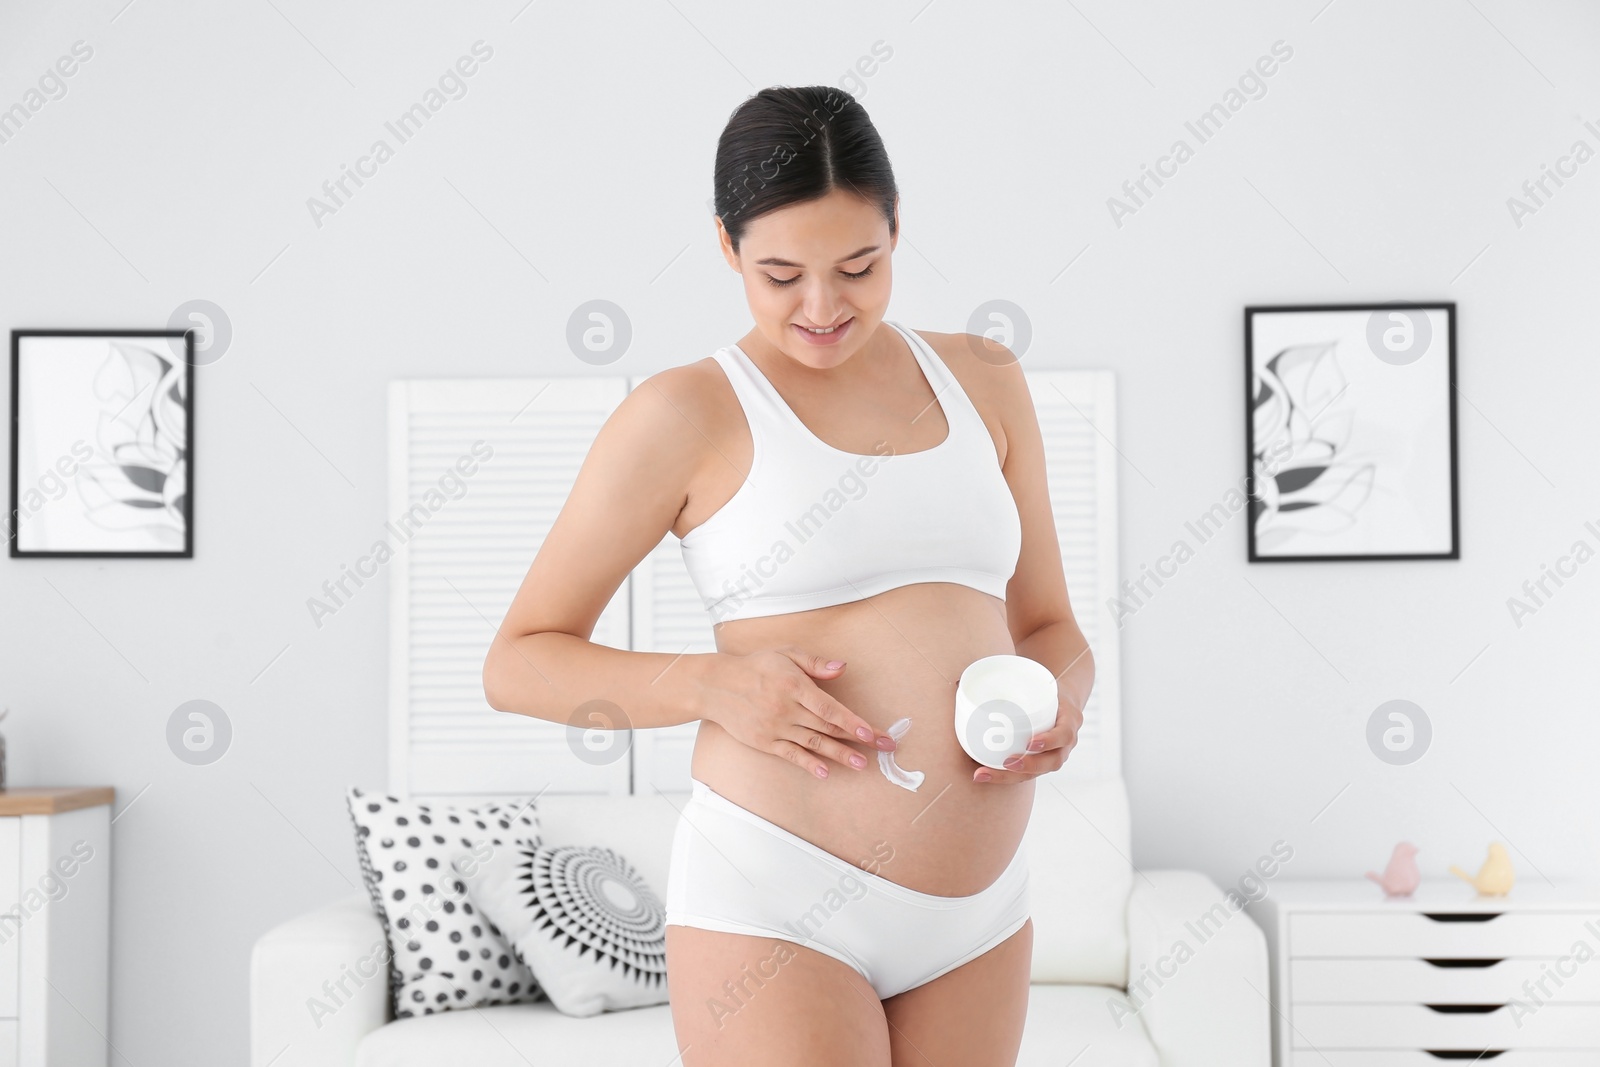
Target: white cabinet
55,921
1443,975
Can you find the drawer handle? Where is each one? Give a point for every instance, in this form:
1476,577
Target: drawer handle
1464,1009
1463,1054
1462,916
1463,963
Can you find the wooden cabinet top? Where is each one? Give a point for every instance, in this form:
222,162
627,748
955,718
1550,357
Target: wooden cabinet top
49,800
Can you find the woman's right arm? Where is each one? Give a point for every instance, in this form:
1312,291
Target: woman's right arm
629,492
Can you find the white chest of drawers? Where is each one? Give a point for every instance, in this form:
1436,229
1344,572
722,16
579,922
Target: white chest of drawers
1443,976
55,920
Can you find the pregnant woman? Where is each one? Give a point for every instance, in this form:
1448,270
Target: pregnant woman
864,512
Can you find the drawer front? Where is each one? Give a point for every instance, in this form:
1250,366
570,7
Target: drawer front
1415,1026
1414,934
11,931
1417,981
1419,1058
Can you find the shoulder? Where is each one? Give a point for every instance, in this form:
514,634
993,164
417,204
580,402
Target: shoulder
682,409
991,376
989,372
689,385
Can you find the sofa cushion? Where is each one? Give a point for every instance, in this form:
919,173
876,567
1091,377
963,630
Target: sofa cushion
1079,1025
1080,875
442,953
639,827
516,1035
1066,1024
589,928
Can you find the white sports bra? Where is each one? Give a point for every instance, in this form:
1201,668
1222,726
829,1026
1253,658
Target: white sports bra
814,526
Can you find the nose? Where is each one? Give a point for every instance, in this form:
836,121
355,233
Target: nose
821,305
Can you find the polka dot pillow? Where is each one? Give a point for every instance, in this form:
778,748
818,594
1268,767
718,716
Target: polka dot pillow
443,953
591,930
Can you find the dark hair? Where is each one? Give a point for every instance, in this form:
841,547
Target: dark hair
786,145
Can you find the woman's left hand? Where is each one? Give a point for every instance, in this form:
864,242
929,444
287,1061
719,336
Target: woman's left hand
1047,751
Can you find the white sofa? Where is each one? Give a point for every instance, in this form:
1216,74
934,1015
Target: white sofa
1198,966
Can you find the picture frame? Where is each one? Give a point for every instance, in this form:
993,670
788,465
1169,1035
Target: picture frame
102,444
1350,432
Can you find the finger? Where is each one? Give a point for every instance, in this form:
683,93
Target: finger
831,711
1021,768
816,666
1052,740
1044,742
801,757
1037,763
837,719
995,777
806,719
1063,734
822,745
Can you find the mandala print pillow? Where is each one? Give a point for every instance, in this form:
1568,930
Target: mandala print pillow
586,924
443,953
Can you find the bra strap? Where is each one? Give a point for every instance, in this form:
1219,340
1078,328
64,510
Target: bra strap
959,410
755,393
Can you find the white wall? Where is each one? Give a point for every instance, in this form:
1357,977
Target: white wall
578,165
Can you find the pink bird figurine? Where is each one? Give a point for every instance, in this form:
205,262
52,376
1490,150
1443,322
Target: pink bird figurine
1401,877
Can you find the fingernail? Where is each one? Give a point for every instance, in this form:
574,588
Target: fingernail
822,772
982,776
1013,762
886,743
835,664
858,761
864,733
1036,745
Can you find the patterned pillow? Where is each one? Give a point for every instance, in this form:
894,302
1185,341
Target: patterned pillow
582,919
443,954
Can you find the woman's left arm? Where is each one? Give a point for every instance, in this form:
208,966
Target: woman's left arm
1038,611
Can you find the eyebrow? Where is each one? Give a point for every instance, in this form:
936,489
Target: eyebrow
774,261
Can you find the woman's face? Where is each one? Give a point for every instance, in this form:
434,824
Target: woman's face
814,265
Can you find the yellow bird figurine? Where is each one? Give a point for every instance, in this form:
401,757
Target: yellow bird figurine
1494,878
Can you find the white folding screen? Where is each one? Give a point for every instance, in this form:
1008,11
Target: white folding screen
453,579
1077,418
478,471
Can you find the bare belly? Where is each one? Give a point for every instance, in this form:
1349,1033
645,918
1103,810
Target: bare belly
904,651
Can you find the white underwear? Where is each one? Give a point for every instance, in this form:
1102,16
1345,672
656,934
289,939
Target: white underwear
735,872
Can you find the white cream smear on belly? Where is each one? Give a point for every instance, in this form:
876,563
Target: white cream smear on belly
911,780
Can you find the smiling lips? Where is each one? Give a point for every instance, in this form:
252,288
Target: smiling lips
827,336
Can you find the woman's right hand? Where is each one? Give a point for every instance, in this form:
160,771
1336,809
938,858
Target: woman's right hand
768,701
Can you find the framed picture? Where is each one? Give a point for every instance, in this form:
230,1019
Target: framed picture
1350,432
102,443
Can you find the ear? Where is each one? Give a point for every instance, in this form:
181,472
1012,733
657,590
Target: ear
726,243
